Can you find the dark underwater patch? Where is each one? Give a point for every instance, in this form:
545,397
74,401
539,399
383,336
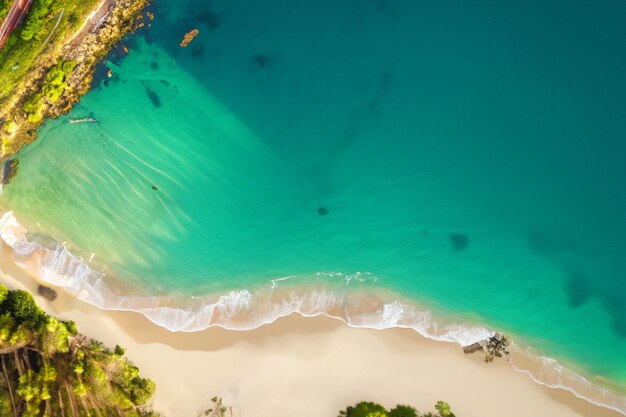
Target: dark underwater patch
459,241
260,61
197,51
154,65
154,97
322,211
100,76
209,19
550,244
578,289
120,51
569,254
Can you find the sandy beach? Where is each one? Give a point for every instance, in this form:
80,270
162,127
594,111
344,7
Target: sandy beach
308,366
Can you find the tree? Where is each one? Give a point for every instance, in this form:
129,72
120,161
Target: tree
23,308
47,369
365,409
401,410
496,347
443,408
3,293
370,409
35,18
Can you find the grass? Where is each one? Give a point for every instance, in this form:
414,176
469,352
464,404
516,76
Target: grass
25,45
4,8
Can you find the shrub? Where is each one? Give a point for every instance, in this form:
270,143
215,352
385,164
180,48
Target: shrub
3,293
35,18
443,408
370,409
403,411
56,80
23,308
496,347
33,104
365,409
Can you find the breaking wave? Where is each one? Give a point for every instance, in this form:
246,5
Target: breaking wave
349,298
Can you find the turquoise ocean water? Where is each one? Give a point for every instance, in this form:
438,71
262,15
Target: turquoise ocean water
469,157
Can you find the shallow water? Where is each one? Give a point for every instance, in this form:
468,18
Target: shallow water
469,157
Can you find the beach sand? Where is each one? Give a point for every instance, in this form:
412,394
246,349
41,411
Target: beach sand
308,367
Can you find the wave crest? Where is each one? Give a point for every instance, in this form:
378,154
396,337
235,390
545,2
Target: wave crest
349,298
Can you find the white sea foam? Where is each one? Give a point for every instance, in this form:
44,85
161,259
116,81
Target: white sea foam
243,310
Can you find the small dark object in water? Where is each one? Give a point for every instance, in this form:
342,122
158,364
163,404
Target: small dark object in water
322,211
154,97
425,232
260,61
154,65
211,20
165,83
154,187
459,241
47,293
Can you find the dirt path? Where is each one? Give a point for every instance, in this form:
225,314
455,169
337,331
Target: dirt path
92,21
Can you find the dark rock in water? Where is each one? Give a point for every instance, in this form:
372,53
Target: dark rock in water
260,61
322,211
154,97
154,187
459,241
165,83
211,20
9,170
47,293
154,65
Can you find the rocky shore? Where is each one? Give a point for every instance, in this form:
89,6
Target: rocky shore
107,25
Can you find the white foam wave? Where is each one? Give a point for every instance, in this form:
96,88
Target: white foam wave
243,310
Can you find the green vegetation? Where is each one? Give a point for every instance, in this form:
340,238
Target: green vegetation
54,85
217,409
497,346
4,8
48,369
21,54
370,409
56,78
38,12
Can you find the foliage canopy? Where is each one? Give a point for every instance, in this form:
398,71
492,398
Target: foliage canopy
50,369
370,409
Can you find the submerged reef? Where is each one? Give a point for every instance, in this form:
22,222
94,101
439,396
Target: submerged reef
154,97
459,241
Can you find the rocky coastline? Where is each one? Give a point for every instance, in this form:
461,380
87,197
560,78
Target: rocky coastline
108,24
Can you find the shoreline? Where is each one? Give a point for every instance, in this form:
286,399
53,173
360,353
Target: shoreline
353,313
103,28
291,366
